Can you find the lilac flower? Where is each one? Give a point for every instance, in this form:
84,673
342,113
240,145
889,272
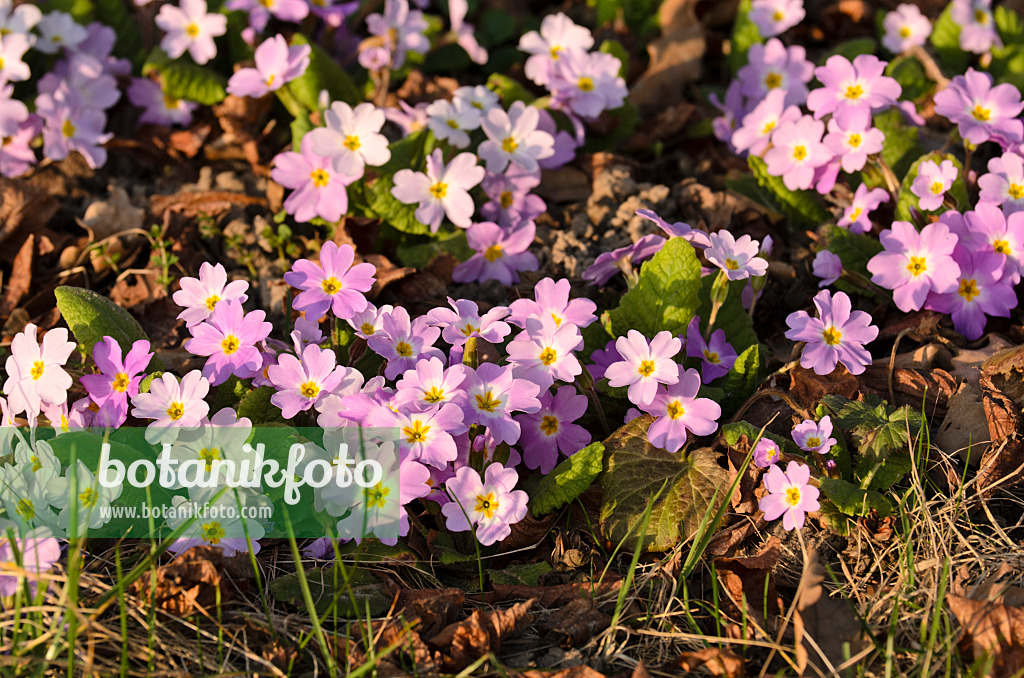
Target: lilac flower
552,300
465,321
985,229
159,109
558,35
35,373
587,83
479,97
426,434
370,320
754,135
118,380
490,397
334,284
229,338
306,381
260,11
732,111
26,560
374,58
410,119
12,48
491,504
317,189
500,253
699,239
679,410
983,291
12,112
837,335
84,74
441,190
465,34
914,264
827,266
352,137
905,28
644,366
276,64
790,496
717,356
766,453
543,352
855,217
932,182
172,404
814,437
16,154
429,384
550,430
514,137
71,126
1004,182
307,331
511,201
797,151
404,342
773,17
190,28
980,110
59,30
603,358
736,257
401,28
608,264
201,295
852,86
773,66
853,140
977,27
452,121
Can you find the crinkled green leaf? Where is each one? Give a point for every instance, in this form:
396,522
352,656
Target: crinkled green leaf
92,316
635,471
945,39
393,211
852,500
326,585
665,298
891,471
733,431
1008,24
744,35
881,431
571,478
525,574
323,73
257,407
804,208
186,80
910,74
419,255
907,201
852,49
733,319
902,143
742,379
509,90
627,119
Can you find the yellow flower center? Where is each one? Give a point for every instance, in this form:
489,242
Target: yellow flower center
65,425
548,356
549,425
486,504
917,266
792,496
1002,246
469,329
434,395
192,30
270,80
211,302
905,32
367,328
509,145
376,496
1016,191
832,336
309,390
487,402
37,370
799,153
230,344
981,16
68,129
855,141
453,124
813,442
855,214
36,464
120,382
711,357
675,409
403,349
585,84
732,264
558,321
968,289
938,188
170,102
493,253
320,178
26,509
176,411
981,114
773,80
351,142
854,92
768,127
554,52
213,533
779,15
506,199
209,454
331,286
646,368
417,433
439,190
88,497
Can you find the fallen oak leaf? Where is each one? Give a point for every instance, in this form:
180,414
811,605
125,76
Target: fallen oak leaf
482,633
576,623
822,625
20,281
187,585
191,204
715,660
991,630
749,582
552,596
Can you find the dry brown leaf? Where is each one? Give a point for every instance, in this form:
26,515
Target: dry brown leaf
18,285
576,623
551,596
192,203
964,431
967,364
991,629
578,671
715,660
22,206
104,218
188,584
463,643
822,621
640,671
430,610
726,542
675,57
667,124
991,588
750,578
809,388
1003,461
911,387
566,184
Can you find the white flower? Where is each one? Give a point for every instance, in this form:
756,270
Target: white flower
21,20
92,500
514,137
478,97
57,30
352,138
442,190
218,439
453,121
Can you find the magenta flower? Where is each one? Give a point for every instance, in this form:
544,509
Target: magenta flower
172,404
678,411
401,29
424,435
754,135
914,264
733,110
603,358
510,199
201,295
977,27
465,321
814,437
644,366
491,505
608,264
797,151
229,338
982,291
442,190
932,182
837,335
500,253
737,257
429,384
717,356
352,138
543,352
558,35
827,266
853,140
276,64
773,66
699,239
986,230
852,86
905,28
980,110
260,11
855,217
551,299
790,496
1004,182
35,373
334,284
492,394
587,83
773,17
306,382
159,109
317,189
118,380
514,137
550,430
766,453
404,342
189,28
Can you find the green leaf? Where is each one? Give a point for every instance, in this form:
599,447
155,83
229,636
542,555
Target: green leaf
804,208
393,211
1009,25
908,202
946,41
881,431
362,586
889,472
745,34
257,407
323,73
92,316
118,15
902,143
665,298
733,431
627,118
733,319
527,574
183,79
910,74
635,471
852,500
855,249
419,255
509,90
615,48
571,478
742,379
851,49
